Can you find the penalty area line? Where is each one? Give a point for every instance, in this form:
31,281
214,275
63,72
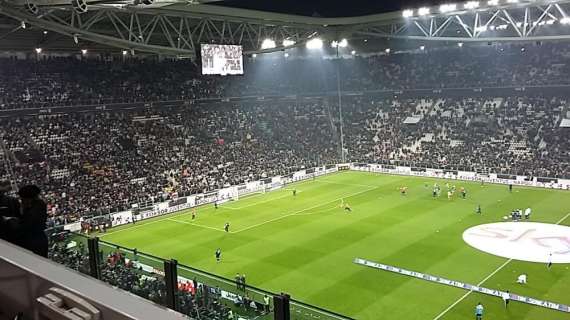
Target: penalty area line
486,278
197,225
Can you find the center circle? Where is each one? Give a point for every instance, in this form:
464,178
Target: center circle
525,241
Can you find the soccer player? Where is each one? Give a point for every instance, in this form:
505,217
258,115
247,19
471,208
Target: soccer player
403,190
463,192
193,213
434,192
510,187
527,213
522,279
227,227
216,204
294,192
506,298
218,255
478,210
479,311
549,265
449,195
347,207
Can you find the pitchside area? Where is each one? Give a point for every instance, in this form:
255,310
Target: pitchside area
305,245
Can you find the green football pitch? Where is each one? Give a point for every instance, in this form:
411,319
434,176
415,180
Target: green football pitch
305,245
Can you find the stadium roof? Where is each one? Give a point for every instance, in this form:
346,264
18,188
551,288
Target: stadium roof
178,27
324,8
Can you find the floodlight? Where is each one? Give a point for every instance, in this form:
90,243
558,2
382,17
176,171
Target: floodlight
565,20
387,50
512,1
550,22
541,23
286,55
288,43
422,48
481,29
268,44
254,55
45,32
447,7
75,39
125,52
315,43
460,44
471,5
38,50
523,49
83,51
343,43
493,2
353,52
408,13
423,11
23,25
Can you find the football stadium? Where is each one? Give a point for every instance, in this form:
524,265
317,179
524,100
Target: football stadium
302,160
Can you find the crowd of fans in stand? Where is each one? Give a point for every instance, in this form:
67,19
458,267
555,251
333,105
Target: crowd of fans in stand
70,81
88,164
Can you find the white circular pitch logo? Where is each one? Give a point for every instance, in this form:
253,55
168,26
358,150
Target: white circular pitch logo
527,241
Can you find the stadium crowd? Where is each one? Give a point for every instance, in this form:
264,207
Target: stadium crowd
88,164
63,81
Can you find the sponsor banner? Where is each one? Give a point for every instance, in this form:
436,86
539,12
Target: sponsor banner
73,227
549,183
157,211
121,218
462,285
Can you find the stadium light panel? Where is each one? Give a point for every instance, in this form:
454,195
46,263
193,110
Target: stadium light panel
471,5
38,50
408,13
288,43
254,55
565,20
83,51
268,44
353,52
550,22
387,50
23,25
423,11
460,44
125,52
493,2
286,55
315,43
343,43
444,8
422,48
45,32
512,1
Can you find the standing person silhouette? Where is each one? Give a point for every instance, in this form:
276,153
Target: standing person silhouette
33,220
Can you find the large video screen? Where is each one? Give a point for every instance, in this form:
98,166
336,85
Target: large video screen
221,59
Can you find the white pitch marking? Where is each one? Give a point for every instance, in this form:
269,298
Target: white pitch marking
486,278
306,209
197,225
263,201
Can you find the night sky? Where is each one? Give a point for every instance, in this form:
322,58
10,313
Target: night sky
328,8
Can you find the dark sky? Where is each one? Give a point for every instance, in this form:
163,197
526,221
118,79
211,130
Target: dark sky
328,8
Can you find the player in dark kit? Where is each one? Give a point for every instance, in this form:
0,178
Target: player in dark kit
510,187
478,210
347,207
294,192
227,227
193,214
218,255
216,204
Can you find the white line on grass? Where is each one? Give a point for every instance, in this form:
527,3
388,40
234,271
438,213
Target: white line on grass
194,224
469,292
349,184
259,202
483,281
142,224
303,210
